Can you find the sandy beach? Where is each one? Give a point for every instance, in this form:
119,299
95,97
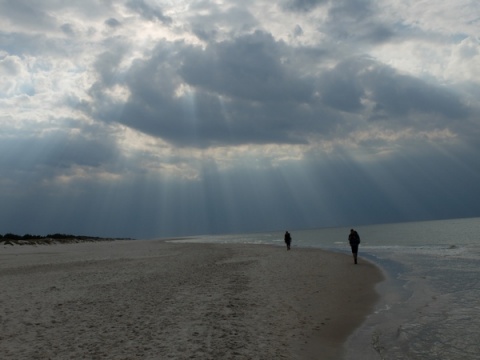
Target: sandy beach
162,300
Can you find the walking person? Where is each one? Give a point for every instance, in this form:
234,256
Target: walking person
354,240
288,239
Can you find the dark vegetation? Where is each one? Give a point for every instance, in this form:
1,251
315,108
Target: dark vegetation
28,239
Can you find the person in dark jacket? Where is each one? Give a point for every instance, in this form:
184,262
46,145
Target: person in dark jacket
354,240
288,239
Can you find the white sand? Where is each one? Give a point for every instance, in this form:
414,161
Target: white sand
157,300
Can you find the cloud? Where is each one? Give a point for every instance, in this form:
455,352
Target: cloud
112,22
147,11
24,14
355,83
223,94
210,21
239,92
303,5
142,117
359,23
248,68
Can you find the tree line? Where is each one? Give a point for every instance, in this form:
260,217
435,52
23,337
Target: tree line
56,236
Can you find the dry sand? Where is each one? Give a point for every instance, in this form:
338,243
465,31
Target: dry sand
158,300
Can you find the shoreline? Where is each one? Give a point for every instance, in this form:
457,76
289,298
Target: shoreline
149,298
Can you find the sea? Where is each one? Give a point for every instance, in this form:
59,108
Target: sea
430,299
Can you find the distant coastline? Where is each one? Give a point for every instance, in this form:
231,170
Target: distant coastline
27,239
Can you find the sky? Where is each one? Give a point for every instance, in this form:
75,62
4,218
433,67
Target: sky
159,118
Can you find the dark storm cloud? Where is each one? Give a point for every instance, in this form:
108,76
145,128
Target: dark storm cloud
341,88
297,31
250,90
303,5
401,94
204,120
68,29
112,22
393,94
248,68
148,12
351,10
108,62
239,93
45,156
358,22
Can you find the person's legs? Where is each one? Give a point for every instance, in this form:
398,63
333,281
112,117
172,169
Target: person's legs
355,252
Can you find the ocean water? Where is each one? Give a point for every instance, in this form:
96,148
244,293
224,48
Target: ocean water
430,304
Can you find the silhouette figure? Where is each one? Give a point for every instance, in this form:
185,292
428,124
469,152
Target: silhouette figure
288,239
354,240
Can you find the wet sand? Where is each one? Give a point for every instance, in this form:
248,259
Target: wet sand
161,300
